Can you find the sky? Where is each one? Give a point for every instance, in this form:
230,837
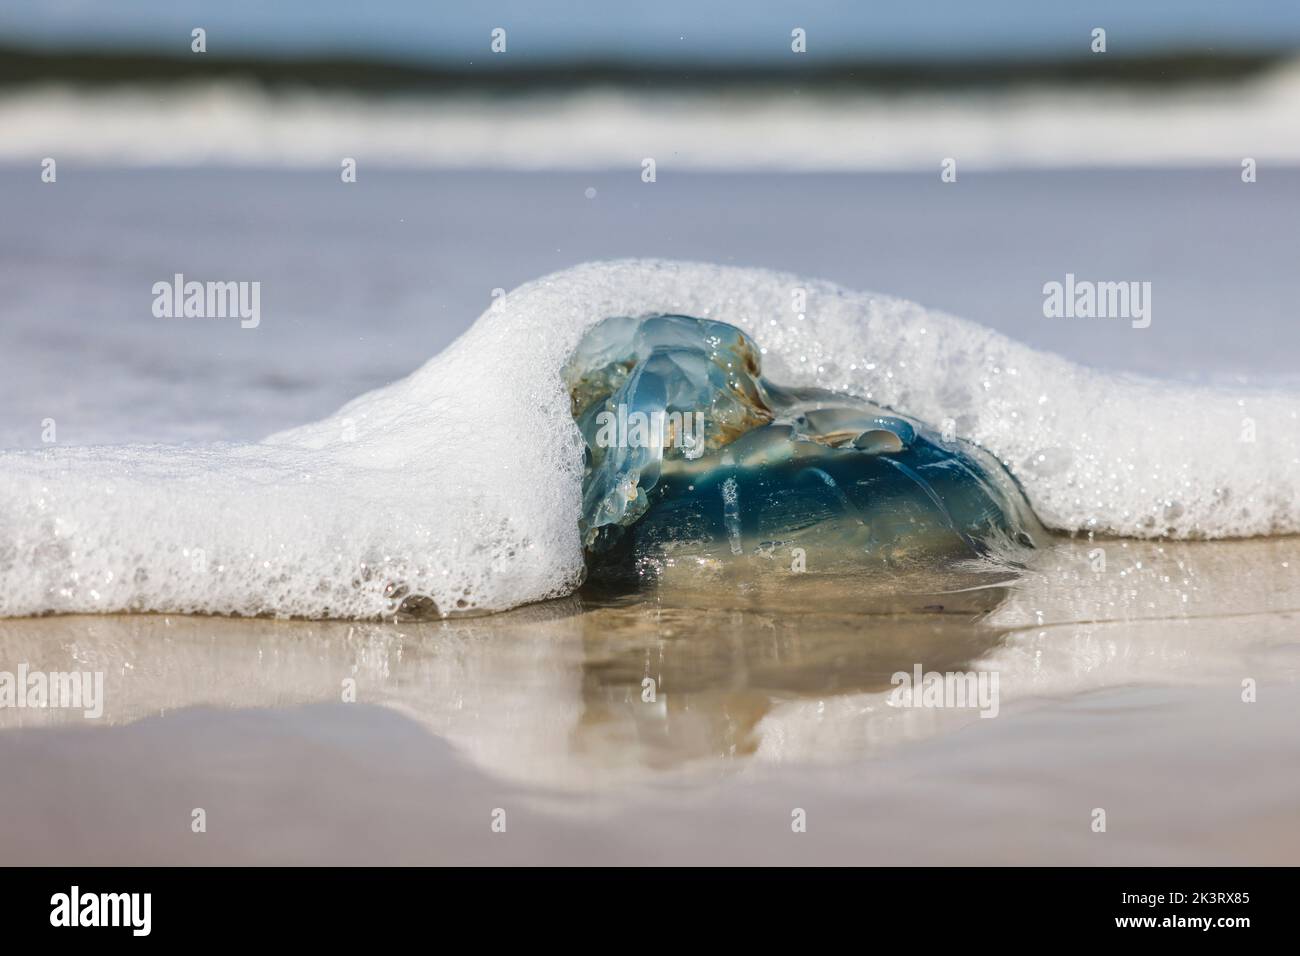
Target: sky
718,31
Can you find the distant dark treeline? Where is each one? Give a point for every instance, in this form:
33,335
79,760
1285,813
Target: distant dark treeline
515,74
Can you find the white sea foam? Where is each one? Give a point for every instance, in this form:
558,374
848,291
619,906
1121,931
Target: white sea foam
462,482
775,129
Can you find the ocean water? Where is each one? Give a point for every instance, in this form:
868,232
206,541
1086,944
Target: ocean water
362,284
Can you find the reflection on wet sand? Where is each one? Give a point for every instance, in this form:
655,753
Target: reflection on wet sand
664,686
706,680
557,693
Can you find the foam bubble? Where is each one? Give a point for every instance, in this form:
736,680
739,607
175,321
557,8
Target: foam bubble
462,482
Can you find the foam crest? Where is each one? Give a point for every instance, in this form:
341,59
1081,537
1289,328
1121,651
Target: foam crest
461,484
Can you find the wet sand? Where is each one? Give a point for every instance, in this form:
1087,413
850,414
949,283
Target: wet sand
1120,688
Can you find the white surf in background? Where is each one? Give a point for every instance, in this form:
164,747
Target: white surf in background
461,482
772,127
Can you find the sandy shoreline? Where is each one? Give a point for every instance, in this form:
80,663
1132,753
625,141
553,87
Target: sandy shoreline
1120,689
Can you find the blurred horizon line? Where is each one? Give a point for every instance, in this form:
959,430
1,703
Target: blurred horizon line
29,64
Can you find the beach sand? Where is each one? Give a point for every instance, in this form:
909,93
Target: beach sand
1119,689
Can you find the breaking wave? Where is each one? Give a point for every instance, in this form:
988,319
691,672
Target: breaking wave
774,128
